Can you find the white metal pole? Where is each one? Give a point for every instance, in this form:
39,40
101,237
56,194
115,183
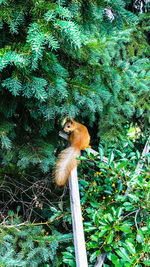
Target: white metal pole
77,223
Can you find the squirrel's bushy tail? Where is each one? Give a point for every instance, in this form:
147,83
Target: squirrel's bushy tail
65,163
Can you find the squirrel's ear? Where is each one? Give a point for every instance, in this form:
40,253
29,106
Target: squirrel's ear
69,120
65,120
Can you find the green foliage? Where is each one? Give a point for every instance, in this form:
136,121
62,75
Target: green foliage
24,244
69,58
84,59
30,236
115,221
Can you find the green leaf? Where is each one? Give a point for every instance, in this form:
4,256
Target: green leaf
133,197
125,228
140,236
94,255
82,158
94,204
106,227
114,211
130,247
122,164
6,142
144,229
109,239
129,206
89,210
52,218
69,262
94,238
148,224
111,157
119,211
146,262
123,254
102,233
70,249
68,255
90,228
101,152
109,217
138,154
120,198
115,260
54,209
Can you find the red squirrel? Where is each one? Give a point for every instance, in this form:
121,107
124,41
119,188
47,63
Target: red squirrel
79,139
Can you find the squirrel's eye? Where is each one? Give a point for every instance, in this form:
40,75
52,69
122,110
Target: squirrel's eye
68,126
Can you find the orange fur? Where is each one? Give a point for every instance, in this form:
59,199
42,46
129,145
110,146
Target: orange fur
79,140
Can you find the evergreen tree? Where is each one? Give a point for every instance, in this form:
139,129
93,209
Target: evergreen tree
68,58
86,59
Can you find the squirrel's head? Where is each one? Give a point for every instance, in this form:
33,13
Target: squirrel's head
69,125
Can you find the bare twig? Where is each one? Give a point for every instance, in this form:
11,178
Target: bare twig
136,214
22,192
129,214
